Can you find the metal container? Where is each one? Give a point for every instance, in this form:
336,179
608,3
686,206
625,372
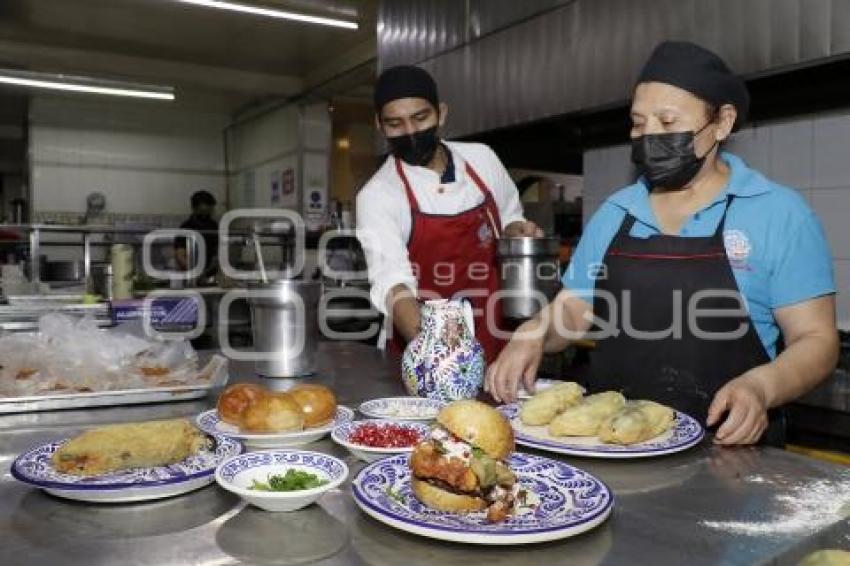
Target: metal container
63,271
530,274
19,211
349,314
101,280
284,318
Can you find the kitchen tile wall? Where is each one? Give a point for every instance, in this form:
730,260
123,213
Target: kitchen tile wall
146,158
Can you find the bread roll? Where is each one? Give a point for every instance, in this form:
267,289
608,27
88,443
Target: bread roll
236,399
318,403
480,425
273,412
444,500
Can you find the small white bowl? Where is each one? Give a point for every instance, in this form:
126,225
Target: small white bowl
402,408
341,434
236,475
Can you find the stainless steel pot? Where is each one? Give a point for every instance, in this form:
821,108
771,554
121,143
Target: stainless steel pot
284,318
530,274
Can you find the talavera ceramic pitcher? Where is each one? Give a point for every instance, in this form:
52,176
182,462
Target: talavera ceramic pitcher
444,361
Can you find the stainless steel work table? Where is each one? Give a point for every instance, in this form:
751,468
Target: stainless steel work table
660,509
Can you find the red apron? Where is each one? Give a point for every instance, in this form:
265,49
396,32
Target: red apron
452,255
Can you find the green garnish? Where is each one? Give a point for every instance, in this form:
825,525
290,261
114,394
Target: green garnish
395,495
292,480
477,452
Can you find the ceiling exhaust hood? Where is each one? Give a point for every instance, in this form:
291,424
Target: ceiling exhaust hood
500,63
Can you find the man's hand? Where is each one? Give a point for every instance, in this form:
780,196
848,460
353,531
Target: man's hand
523,228
744,400
404,311
518,360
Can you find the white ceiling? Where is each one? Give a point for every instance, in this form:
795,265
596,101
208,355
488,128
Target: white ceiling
212,55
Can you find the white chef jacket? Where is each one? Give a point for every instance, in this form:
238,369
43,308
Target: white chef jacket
383,211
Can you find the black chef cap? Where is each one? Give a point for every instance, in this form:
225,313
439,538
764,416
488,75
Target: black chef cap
405,81
698,71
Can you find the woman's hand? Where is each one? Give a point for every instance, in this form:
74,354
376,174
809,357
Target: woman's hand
744,400
518,360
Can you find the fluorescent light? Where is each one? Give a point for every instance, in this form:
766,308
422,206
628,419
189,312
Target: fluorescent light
83,84
272,13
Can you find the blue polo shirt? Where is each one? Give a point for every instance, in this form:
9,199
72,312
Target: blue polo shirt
775,243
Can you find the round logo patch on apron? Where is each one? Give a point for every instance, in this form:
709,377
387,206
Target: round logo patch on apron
485,234
738,246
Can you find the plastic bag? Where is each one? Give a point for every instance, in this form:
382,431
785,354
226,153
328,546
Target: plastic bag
72,354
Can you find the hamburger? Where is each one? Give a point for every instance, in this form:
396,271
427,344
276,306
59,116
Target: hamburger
462,465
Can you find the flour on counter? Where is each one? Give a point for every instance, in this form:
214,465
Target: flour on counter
805,507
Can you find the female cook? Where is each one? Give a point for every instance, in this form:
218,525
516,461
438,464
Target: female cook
697,272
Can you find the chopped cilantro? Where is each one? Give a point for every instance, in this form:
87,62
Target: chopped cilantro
292,480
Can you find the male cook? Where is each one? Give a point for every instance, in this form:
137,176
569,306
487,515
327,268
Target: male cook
429,219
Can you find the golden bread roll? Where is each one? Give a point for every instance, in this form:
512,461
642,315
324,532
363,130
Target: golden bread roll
236,399
273,412
318,403
638,421
547,404
444,500
130,445
480,425
584,419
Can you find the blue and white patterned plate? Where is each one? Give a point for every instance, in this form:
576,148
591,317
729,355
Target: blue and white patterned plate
686,432
402,408
139,484
569,501
209,422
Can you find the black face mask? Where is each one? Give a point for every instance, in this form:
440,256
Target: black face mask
417,148
668,160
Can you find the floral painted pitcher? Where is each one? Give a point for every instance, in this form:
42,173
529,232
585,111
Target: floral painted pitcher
444,361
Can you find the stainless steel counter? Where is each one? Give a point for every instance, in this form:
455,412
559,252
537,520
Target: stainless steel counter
662,505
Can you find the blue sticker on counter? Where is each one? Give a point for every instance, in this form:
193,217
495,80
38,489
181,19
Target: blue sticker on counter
167,313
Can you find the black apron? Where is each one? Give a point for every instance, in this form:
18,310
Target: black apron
683,371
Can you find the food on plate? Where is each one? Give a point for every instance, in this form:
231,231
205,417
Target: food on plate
547,404
253,408
318,403
828,557
130,445
154,371
461,466
70,355
292,480
384,435
584,419
236,399
273,412
402,408
636,422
